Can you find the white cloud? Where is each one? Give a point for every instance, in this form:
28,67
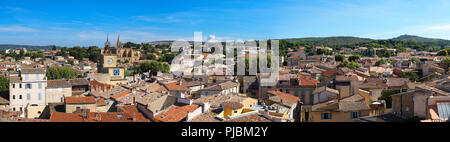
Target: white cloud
18,28
439,28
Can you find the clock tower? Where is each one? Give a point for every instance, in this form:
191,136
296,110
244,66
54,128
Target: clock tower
108,61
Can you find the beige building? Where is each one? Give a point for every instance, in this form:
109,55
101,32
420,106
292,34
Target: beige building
348,109
28,89
109,73
57,90
75,103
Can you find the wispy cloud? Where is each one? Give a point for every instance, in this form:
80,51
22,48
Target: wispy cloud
18,28
440,28
177,17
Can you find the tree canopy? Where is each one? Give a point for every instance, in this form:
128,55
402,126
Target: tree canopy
4,84
351,65
153,67
55,73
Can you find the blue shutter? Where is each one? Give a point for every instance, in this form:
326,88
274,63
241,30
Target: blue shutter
331,115
359,114
351,115
322,115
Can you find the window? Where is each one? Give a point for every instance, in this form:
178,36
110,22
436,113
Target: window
40,86
14,85
37,76
39,96
28,96
354,115
28,86
14,97
20,97
235,112
20,85
20,108
326,116
14,109
26,77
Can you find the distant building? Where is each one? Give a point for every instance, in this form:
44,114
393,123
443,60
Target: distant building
123,54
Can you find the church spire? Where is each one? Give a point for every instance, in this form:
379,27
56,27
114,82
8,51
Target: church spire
119,44
107,44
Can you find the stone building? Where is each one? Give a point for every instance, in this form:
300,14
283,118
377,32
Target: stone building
124,55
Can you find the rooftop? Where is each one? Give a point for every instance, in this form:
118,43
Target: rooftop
80,100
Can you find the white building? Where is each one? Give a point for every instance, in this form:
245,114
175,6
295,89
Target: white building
27,90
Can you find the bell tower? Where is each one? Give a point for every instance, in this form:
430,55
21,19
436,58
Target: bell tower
118,44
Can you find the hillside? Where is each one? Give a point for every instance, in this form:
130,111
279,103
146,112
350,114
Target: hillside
330,40
28,47
414,38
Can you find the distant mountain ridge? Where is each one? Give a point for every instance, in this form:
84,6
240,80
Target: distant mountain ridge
318,41
420,39
337,40
28,47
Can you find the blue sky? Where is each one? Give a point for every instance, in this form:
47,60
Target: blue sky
87,22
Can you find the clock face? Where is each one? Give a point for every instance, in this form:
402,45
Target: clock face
110,61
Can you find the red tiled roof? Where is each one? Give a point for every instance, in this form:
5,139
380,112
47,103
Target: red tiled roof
175,87
285,96
176,113
295,56
307,81
205,55
121,94
101,102
80,100
329,72
127,114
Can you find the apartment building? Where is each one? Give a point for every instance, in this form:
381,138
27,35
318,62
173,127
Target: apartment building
27,90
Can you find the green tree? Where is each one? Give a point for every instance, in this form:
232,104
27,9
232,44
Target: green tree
94,53
55,73
382,61
443,52
78,52
167,58
4,84
351,65
354,57
151,57
386,96
445,63
414,59
339,57
411,75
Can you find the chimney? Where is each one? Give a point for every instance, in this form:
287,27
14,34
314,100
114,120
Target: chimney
97,117
134,100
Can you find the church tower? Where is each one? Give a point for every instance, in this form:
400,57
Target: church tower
107,44
119,44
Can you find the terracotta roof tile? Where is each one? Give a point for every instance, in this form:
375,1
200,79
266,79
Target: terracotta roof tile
176,113
285,96
307,81
80,100
175,87
58,84
121,94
